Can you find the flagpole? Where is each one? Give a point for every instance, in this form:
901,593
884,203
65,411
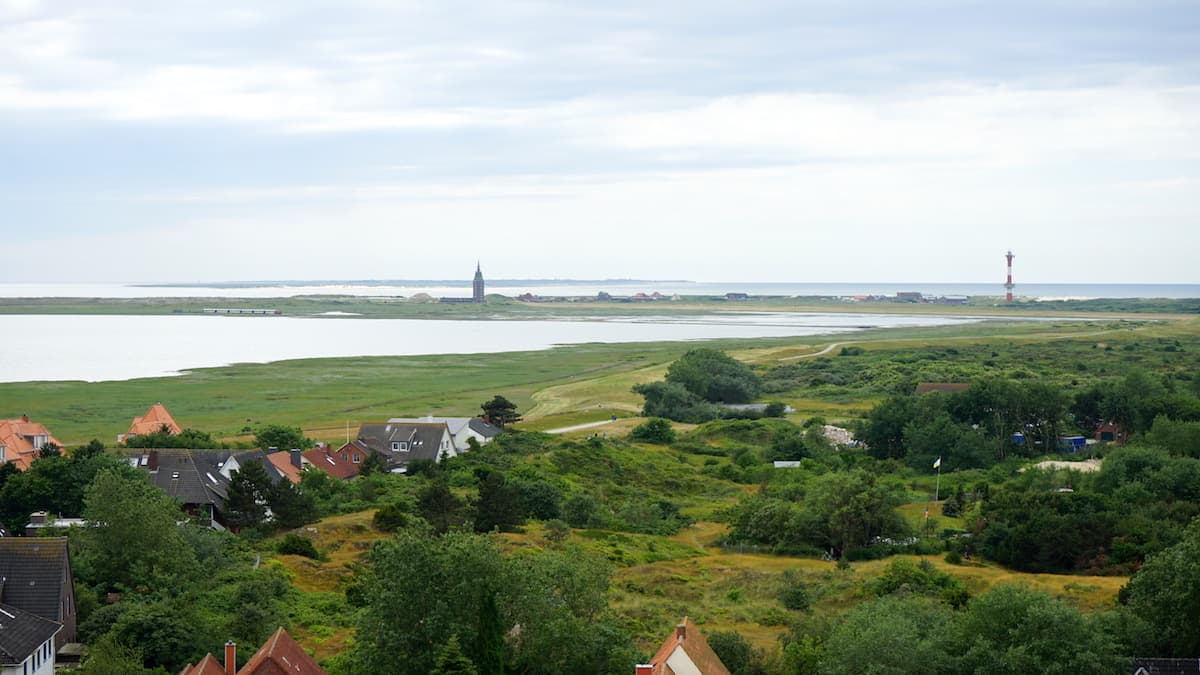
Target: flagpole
937,491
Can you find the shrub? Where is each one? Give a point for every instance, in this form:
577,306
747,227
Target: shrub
655,430
390,517
294,544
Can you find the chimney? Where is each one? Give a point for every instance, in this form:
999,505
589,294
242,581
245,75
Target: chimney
152,462
681,629
230,658
297,459
37,518
644,669
24,417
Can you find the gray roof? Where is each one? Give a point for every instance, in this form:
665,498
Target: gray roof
191,476
1155,666
21,633
484,429
32,570
419,440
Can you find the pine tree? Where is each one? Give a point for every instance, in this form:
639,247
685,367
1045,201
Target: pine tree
245,501
452,661
489,641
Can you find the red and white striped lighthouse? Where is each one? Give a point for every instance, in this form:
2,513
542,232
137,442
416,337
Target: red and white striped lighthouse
1008,284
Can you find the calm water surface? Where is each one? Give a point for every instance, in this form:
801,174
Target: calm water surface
95,348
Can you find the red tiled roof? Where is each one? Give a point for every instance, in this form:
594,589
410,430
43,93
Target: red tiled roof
153,421
331,461
279,655
207,666
18,436
282,460
688,638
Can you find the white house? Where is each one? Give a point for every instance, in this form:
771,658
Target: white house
26,642
461,428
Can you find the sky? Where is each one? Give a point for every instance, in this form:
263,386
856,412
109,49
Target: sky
790,141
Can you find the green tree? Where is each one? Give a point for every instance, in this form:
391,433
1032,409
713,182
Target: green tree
489,641
373,463
893,636
247,494
1011,629
714,376
107,656
498,505
501,411
440,507
452,661
281,436
733,650
290,505
188,438
674,401
654,430
390,517
133,539
1165,593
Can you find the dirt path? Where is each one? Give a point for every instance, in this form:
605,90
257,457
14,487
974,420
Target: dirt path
823,352
578,427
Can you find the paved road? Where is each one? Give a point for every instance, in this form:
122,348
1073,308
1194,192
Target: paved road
578,427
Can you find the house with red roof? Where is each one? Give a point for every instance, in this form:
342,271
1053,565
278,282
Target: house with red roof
155,420
341,463
289,463
21,440
686,652
280,654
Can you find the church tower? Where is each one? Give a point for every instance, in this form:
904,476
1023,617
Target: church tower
477,285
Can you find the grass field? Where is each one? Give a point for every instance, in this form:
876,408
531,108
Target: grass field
574,384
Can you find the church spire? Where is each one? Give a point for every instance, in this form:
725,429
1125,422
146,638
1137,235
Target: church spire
477,284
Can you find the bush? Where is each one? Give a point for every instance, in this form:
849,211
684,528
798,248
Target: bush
795,594
294,544
390,517
655,430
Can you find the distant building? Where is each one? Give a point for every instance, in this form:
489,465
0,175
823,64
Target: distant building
477,285
156,419
908,296
737,296
404,442
22,440
461,428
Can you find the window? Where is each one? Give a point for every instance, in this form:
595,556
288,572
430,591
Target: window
395,446
403,446
357,458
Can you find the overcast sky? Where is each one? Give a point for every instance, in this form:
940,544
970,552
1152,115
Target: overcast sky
755,141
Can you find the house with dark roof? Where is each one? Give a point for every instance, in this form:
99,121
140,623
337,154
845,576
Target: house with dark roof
1152,666
341,463
461,428
26,642
155,420
35,577
280,654
686,652
21,440
199,479
401,443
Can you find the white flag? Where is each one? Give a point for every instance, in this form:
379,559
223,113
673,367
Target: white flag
937,463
